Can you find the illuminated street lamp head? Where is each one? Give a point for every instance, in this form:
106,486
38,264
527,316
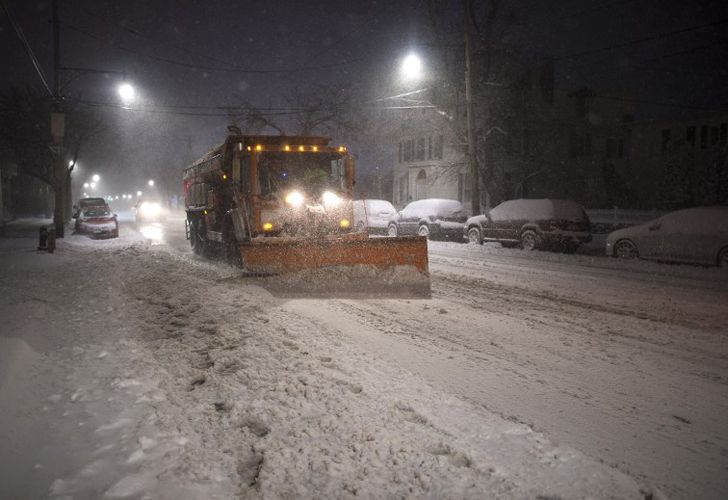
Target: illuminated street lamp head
92,185
412,68
95,178
85,185
126,92
151,182
139,193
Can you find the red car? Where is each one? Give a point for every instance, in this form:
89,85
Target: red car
97,222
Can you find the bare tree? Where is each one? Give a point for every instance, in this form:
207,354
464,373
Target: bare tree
25,134
318,109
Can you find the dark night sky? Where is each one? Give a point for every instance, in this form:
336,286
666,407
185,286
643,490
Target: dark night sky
363,40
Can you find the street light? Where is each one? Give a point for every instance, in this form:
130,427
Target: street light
95,178
151,182
127,93
92,185
411,67
139,193
85,185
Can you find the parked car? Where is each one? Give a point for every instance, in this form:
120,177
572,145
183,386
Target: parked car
85,203
97,221
532,224
373,215
433,218
694,235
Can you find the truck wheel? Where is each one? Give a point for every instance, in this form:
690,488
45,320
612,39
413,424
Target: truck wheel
198,245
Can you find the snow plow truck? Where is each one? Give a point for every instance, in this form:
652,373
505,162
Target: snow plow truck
282,204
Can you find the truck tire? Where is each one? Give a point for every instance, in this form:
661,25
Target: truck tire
196,239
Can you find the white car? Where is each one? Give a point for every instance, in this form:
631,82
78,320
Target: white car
373,215
97,222
433,218
693,235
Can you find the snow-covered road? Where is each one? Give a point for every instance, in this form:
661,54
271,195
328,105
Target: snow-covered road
524,375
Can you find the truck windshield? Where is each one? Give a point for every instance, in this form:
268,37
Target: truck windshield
311,172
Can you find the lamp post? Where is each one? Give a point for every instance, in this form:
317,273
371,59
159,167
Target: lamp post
472,164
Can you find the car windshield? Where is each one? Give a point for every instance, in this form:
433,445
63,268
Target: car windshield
96,212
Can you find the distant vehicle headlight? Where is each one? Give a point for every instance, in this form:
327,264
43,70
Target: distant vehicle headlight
331,200
295,199
149,209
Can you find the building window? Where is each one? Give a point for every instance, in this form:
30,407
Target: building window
420,149
403,190
615,148
690,136
703,137
713,136
526,141
429,148
723,131
421,185
666,133
461,187
438,147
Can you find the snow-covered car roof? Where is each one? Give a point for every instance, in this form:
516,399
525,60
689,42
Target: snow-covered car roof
92,202
698,220
436,207
527,209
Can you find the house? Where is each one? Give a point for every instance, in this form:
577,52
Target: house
429,160
680,160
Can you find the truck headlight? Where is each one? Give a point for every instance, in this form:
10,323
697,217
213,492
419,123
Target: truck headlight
331,200
295,199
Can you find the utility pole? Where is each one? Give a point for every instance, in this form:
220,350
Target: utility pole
472,164
58,130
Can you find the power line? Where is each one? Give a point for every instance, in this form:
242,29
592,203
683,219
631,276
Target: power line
139,34
28,48
223,69
640,41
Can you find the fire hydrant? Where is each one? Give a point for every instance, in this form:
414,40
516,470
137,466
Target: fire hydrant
43,238
51,239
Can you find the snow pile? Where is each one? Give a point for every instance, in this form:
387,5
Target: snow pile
303,414
187,380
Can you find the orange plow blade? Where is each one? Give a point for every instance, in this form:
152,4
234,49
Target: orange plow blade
277,256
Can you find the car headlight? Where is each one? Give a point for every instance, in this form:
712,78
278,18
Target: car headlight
149,209
295,199
331,200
